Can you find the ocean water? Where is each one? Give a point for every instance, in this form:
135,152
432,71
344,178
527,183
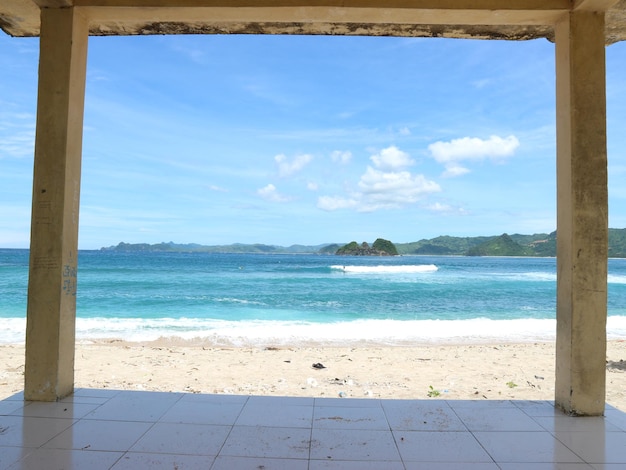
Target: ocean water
254,299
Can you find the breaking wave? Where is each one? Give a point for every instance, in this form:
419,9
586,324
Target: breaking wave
408,269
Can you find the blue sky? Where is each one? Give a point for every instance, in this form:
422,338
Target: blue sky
304,139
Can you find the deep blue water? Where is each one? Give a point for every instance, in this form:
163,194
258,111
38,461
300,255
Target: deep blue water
235,298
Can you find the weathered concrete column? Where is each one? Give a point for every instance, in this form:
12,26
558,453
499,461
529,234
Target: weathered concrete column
51,311
582,214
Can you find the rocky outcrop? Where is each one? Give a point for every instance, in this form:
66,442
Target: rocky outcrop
380,247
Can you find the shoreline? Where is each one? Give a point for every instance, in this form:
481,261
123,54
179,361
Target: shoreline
356,332
469,371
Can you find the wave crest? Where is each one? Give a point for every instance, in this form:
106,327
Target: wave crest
382,269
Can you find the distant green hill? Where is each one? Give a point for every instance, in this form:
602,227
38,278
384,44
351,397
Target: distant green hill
617,242
539,244
330,249
443,245
503,245
545,246
233,248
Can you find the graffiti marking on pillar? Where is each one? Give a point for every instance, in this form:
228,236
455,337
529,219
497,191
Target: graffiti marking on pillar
69,279
45,262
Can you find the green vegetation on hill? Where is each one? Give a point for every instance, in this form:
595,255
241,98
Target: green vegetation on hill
381,247
350,248
500,246
443,245
545,246
385,246
329,249
540,244
617,242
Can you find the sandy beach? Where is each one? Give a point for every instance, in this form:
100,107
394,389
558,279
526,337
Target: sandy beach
468,371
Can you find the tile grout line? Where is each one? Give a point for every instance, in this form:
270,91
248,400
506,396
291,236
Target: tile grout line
471,433
152,424
393,436
308,464
232,426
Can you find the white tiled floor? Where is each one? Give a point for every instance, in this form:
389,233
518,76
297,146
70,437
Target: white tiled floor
105,429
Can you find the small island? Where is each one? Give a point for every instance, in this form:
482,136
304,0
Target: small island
380,247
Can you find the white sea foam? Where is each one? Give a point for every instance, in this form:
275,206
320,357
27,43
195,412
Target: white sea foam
616,279
232,300
420,268
538,276
259,332
13,331
551,277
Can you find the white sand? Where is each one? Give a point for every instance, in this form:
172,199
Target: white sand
468,371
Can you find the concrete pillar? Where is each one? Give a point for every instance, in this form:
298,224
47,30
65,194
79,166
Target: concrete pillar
51,311
582,214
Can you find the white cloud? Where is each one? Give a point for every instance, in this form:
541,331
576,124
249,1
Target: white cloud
288,168
219,189
393,189
17,134
471,149
391,158
446,209
340,156
312,186
332,203
453,170
404,131
270,193
439,207
382,187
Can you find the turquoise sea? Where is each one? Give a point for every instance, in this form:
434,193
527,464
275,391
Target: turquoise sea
255,299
